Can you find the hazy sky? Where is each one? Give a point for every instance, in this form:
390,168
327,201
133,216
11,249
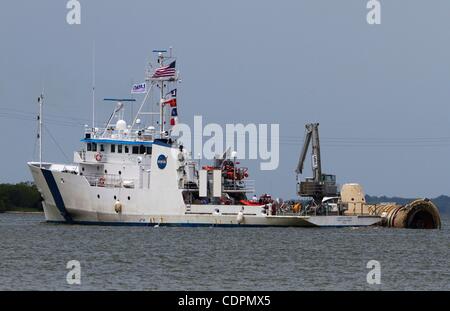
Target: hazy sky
381,93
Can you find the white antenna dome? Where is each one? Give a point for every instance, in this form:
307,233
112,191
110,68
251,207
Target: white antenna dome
121,125
138,121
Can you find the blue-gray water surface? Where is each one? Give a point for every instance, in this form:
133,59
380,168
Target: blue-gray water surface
34,254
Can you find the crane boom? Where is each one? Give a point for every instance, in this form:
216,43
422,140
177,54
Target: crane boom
316,160
320,185
311,137
306,142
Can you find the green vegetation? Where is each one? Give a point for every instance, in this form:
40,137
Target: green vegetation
20,197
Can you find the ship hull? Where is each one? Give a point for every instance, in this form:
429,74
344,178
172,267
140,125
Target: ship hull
68,199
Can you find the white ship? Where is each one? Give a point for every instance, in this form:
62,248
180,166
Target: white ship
140,175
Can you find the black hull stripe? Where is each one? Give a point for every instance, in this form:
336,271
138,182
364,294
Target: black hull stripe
51,182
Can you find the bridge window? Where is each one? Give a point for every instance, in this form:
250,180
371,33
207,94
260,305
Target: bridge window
135,149
102,147
88,147
148,150
127,150
94,147
113,148
141,149
119,148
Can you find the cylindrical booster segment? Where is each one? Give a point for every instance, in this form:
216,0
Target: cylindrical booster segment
418,214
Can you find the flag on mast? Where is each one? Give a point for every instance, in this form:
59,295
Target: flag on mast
139,88
172,102
172,93
165,71
173,121
173,117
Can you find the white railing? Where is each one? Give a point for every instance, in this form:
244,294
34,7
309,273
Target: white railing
243,186
104,133
247,185
110,181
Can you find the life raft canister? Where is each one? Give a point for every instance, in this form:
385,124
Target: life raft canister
99,156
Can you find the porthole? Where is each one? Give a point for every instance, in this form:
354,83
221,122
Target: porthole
106,171
115,197
98,196
129,198
120,173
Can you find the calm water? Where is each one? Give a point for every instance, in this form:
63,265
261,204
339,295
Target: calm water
33,256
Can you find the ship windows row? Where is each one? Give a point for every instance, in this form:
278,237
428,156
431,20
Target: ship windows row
119,148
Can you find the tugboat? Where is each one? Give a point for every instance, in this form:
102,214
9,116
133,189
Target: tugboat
140,174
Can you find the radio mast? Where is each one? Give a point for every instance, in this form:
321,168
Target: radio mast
41,103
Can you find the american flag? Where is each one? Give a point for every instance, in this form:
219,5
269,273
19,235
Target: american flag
166,71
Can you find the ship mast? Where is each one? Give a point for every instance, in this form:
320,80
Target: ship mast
41,103
159,81
93,87
161,101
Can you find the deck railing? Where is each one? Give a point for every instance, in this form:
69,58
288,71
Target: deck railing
135,135
110,181
248,185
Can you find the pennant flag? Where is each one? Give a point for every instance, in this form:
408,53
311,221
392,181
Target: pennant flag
165,71
173,121
172,93
172,102
139,88
174,112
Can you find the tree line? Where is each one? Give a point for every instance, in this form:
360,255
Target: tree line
21,196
